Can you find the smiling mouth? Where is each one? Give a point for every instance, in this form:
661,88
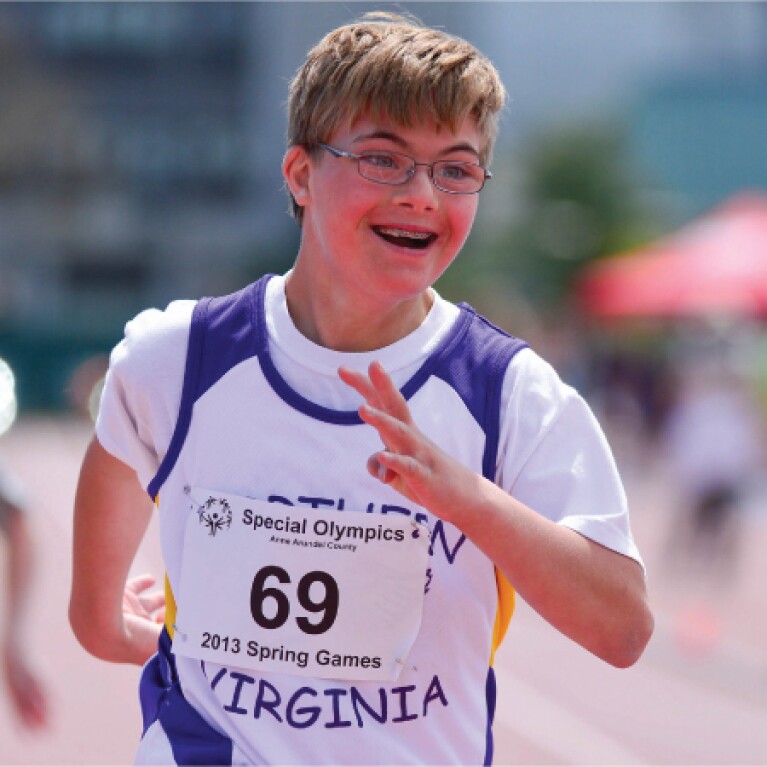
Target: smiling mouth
405,238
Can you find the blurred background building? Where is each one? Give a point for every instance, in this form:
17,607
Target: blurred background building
140,148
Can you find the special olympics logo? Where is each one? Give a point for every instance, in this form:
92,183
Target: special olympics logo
215,514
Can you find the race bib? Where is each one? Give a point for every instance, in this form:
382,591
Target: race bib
311,592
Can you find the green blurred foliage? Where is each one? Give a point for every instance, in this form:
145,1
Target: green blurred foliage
577,198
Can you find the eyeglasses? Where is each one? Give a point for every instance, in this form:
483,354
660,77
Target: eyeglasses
394,168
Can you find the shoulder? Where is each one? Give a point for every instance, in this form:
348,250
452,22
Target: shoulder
476,353
531,378
153,327
542,414
472,359
142,390
155,341
486,339
487,348
539,408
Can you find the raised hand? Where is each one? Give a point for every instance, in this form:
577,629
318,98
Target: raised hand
411,463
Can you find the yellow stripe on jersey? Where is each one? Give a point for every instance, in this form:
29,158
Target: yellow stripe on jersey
506,601
170,600
170,608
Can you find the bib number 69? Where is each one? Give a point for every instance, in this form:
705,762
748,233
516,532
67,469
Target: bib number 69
327,606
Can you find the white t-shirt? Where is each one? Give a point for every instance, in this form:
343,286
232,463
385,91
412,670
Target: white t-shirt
552,456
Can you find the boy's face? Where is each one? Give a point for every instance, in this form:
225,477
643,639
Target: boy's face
387,242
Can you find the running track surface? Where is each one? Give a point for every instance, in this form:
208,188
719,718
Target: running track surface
698,695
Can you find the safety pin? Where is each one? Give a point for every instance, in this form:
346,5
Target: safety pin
188,493
405,665
418,527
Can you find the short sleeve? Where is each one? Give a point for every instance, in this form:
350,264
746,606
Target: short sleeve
554,457
142,392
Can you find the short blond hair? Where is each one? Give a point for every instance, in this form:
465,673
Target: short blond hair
392,66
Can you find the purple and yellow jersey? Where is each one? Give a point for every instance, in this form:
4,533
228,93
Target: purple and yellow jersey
243,430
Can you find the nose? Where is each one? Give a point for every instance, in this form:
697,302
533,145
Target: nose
418,191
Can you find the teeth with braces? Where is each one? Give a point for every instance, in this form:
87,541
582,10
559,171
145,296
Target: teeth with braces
404,233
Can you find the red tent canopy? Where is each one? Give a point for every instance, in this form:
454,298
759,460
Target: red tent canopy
715,265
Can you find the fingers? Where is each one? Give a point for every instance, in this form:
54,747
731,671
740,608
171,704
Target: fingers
395,434
379,471
358,381
139,600
389,395
140,583
152,602
387,411
386,467
377,389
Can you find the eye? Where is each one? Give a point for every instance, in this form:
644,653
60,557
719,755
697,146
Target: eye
456,171
381,160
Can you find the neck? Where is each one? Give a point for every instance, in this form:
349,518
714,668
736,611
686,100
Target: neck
329,318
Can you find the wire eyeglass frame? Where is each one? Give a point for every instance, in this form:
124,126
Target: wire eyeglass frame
410,169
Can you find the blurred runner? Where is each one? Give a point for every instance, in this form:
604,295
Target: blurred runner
21,682
713,443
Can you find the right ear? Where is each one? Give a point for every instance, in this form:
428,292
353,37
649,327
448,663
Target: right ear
296,168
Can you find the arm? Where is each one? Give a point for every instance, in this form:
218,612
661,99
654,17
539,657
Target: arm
113,620
26,693
593,595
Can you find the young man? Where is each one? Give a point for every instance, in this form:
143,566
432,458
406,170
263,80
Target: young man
329,601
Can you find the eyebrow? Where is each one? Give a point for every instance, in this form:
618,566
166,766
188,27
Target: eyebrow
400,142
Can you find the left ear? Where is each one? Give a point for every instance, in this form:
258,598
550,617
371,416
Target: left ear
296,167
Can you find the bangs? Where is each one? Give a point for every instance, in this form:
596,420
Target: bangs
406,74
